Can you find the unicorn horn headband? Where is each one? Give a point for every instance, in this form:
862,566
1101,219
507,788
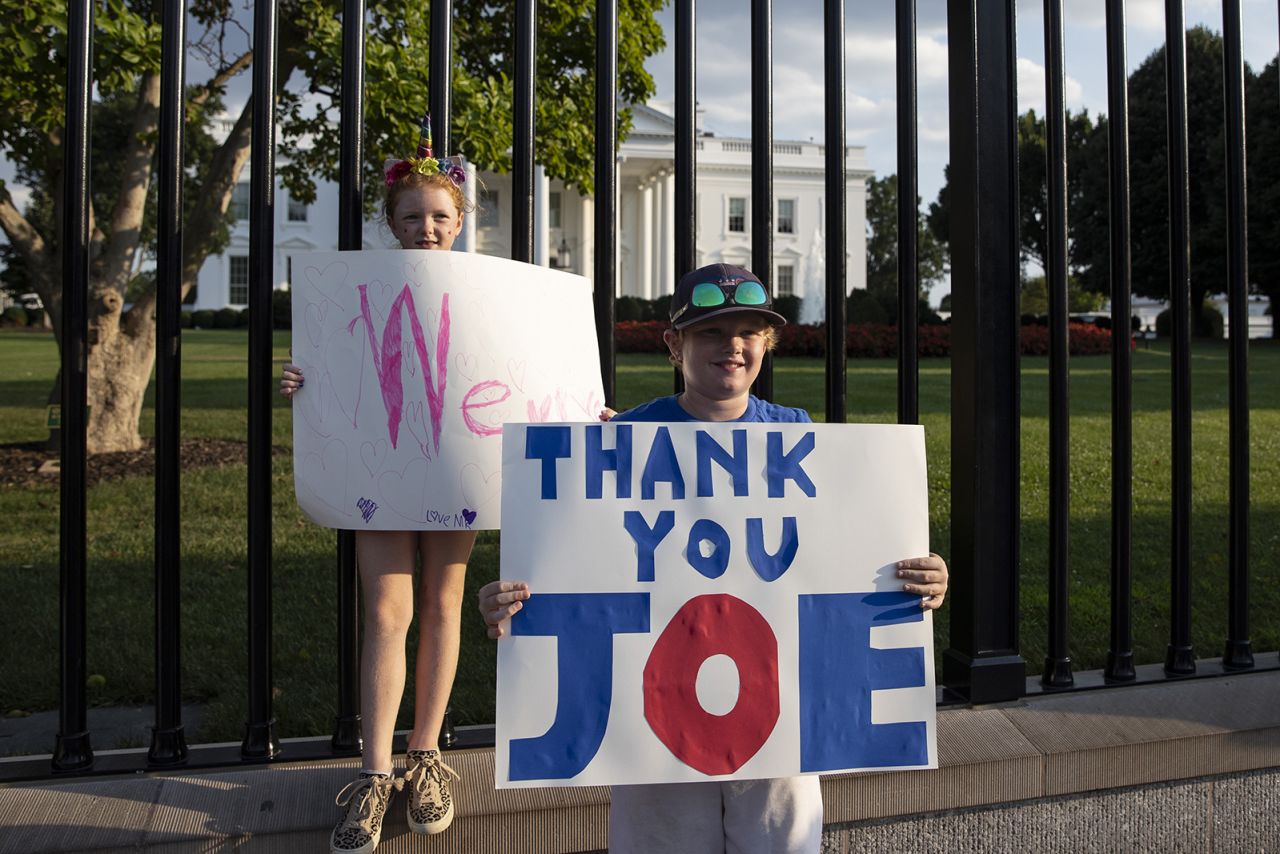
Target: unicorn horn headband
424,162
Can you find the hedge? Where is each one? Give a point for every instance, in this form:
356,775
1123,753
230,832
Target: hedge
870,340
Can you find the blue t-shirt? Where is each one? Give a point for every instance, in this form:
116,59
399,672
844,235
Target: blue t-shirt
668,409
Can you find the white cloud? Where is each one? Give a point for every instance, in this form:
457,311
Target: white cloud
1031,88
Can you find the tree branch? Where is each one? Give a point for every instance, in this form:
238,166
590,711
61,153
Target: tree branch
222,78
22,235
135,180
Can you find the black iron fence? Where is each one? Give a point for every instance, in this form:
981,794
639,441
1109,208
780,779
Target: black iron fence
982,662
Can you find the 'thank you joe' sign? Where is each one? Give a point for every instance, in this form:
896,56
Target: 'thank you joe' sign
712,601
413,361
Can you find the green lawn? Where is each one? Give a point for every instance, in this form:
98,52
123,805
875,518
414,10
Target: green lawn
213,506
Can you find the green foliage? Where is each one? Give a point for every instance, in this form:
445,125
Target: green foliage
226,318
1262,136
1034,297
1210,326
282,309
397,85
14,315
863,306
882,242
202,319
788,305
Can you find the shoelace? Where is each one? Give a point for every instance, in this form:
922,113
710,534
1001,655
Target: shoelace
429,770
363,789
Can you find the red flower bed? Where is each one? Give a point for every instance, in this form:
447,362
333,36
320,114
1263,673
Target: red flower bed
870,340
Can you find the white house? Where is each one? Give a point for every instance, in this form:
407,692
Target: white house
564,219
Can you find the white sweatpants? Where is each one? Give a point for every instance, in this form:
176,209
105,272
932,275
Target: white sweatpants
779,816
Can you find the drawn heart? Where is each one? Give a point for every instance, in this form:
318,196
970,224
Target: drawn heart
466,365
468,516
479,488
315,316
591,407
373,454
313,403
516,370
410,360
405,491
330,283
416,274
323,476
344,360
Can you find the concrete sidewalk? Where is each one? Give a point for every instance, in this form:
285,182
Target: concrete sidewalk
1182,766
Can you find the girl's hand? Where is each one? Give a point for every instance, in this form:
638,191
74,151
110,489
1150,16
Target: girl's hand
926,576
498,601
290,380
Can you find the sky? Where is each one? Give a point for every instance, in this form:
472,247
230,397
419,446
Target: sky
723,77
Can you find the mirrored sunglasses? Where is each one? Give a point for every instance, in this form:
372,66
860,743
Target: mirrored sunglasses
713,294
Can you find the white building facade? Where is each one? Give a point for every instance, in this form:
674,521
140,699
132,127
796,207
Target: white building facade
564,219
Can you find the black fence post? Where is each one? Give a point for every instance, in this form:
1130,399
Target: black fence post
347,739
762,163
1238,653
1180,658
983,662
908,219
168,743
1120,652
522,129
685,150
72,751
1057,664
606,175
837,267
260,738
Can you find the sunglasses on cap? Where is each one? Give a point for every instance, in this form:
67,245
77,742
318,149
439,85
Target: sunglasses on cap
713,294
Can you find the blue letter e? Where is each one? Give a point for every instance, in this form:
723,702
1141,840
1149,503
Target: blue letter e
838,672
583,625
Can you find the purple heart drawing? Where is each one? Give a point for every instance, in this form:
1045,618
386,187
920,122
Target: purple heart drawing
468,516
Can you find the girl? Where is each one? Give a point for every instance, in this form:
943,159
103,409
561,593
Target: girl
424,208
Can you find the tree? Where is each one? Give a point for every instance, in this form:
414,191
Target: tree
126,71
882,247
1083,169
1149,158
1262,125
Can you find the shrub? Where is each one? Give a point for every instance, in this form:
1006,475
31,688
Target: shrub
282,309
35,316
185,320
226,318
242,319
14,315
202,319
788,305
863,307
1210,326
629,309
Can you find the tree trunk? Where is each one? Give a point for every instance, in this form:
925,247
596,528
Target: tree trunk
120,362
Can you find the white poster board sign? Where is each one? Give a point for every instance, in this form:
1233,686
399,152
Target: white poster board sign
413,360
712,601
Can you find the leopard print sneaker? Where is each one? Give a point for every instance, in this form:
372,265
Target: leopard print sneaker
430,807
366,800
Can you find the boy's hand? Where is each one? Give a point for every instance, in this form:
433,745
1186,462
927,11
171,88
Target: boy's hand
290,380
498,601
607,414
926,576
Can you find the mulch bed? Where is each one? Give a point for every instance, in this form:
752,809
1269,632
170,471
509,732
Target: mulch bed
21,462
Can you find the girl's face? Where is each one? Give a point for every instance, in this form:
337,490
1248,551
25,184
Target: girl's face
426,218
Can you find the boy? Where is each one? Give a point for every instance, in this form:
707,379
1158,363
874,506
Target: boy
722,324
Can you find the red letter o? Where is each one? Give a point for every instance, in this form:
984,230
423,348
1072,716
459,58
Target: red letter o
704,626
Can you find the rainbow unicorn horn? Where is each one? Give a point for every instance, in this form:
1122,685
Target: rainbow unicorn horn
424,139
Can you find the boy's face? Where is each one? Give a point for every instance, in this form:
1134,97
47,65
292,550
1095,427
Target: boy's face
720,357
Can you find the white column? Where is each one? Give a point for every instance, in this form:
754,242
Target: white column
644,243
541,247
667,236
617,227
468,236
655,237
587,241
